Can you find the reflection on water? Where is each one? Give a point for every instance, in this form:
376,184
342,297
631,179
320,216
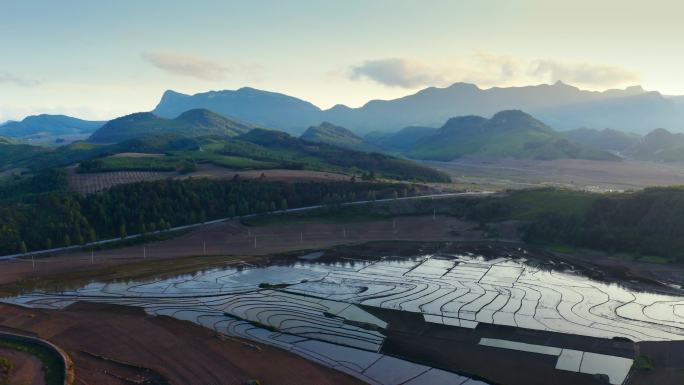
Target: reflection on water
505,291
310,306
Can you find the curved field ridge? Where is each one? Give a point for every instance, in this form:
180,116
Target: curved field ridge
318,315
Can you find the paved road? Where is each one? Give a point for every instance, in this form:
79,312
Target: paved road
307,208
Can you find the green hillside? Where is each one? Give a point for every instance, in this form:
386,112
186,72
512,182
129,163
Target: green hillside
658,145
290,152
606,139
507,134
192,123
329,133
402,140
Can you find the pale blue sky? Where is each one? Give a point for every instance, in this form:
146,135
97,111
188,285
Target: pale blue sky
99,59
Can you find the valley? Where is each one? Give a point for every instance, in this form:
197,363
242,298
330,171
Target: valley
344,192
591,175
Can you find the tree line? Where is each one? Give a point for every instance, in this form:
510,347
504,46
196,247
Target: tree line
60,218
644,223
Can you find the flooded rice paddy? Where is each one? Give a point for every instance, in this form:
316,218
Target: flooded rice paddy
322,310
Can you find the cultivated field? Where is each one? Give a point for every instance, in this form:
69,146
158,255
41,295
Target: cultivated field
114,345
87,183
212,171
94,182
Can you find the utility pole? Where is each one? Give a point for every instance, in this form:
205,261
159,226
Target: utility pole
301,236
92,257
255,242
33,263
144,252
204,247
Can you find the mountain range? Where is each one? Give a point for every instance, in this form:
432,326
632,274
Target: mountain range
606,139
47,127
511,133
559,105
658,145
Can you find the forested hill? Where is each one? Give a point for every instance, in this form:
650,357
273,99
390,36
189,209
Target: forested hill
293,153
507,134
64,219
329,133
191,123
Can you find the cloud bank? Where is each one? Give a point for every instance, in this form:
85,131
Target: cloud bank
485,69
187,65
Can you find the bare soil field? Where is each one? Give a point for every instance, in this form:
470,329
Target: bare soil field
117,345
93,182
234,239
571,173
212,171
27,369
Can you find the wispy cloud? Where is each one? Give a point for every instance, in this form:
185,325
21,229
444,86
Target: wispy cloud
583,73
397,72
486,69
8,78
187,65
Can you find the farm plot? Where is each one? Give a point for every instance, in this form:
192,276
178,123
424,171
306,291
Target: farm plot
94,182
315,311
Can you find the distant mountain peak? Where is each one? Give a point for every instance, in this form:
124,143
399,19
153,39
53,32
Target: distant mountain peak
560,105
509,133
48,125
465,86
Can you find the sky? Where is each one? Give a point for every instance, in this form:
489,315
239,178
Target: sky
98,59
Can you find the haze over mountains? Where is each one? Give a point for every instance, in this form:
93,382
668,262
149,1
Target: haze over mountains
37,126
559,105
511,133
559,121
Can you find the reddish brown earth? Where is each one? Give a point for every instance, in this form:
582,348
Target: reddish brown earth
232,238
216,172
94,182
117,345
27,369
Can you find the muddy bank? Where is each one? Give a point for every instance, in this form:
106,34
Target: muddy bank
116,345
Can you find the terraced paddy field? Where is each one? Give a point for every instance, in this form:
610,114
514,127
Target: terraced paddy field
490,315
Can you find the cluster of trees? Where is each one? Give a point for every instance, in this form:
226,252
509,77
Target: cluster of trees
647,223
44,181
64,219
650,222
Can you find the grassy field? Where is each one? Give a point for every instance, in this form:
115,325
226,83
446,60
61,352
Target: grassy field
531,204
